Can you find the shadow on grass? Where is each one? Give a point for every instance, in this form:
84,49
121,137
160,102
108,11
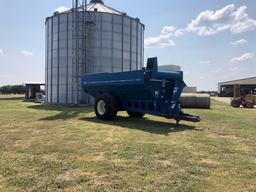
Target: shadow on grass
12,99
65,115
65,112
146,125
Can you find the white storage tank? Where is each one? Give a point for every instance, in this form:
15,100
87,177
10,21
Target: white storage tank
109,41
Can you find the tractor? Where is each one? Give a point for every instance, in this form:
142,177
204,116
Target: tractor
247,101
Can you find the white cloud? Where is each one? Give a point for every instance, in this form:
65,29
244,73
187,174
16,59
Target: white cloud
163,40
244,57
205,62
179,32
239,42
61,9
207,23
167,30
1,52
27,53
226,19
158,42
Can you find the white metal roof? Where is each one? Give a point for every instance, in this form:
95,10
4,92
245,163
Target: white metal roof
100,7
247,81
34,83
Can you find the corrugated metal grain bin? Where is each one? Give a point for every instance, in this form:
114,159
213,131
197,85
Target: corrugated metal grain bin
114,43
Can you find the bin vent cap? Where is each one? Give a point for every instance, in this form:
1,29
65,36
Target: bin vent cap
97,1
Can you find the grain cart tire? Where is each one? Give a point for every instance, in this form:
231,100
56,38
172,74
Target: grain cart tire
135,114
236,103
106,107
249,105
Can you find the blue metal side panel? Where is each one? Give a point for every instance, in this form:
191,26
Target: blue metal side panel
109,79
173,75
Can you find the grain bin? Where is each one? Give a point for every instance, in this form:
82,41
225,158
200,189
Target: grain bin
109,41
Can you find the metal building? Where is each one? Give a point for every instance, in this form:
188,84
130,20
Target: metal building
231,88
32,88
177,68
89,39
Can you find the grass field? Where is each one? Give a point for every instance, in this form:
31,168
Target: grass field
67,149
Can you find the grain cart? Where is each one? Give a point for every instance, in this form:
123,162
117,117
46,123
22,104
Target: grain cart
146,91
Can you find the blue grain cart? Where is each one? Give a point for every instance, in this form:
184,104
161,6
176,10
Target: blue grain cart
147,91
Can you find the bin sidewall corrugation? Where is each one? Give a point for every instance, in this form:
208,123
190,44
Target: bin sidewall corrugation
123,42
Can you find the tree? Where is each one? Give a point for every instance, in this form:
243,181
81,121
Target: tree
13,89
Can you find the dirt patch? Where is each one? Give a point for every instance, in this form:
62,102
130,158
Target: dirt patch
2,180
210,162
228,137
72,175
164,163
100,156
50,157
24,144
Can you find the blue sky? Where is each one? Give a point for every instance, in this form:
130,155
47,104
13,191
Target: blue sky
213,40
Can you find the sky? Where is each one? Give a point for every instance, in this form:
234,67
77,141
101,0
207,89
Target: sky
213,41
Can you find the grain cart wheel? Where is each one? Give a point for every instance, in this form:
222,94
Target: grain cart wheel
106,107
236,103
135,114
249,105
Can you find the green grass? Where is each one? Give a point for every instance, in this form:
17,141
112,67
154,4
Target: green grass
11,97
67,149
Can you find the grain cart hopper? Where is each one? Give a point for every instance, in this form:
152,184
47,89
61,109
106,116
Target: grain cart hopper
146,91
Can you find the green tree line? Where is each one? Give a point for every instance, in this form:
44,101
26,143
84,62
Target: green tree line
12,89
